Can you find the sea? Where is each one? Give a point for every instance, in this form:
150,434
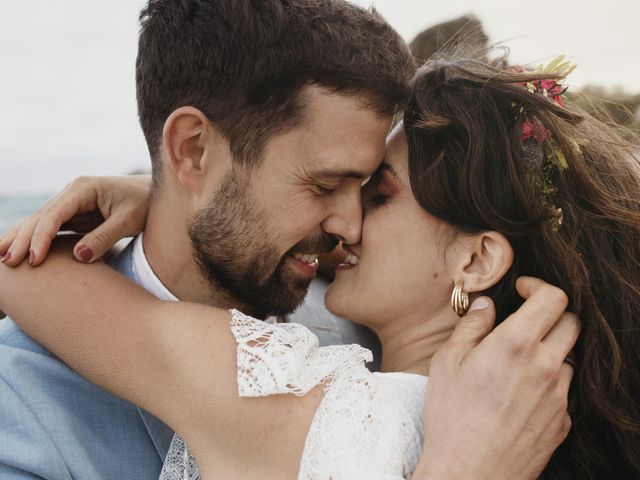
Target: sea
14,208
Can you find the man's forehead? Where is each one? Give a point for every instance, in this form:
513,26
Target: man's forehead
342,140
358,166
341,117
357,163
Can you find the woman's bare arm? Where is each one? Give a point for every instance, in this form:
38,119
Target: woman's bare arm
174,359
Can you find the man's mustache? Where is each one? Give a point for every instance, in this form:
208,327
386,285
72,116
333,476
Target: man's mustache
321,244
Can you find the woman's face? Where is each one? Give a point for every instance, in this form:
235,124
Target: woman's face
401,264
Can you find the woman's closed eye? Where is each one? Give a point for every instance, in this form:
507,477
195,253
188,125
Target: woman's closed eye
378,199
381,188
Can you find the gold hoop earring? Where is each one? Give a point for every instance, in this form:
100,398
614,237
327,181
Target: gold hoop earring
459,299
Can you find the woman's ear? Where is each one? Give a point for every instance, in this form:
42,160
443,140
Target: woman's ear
191,144
486,258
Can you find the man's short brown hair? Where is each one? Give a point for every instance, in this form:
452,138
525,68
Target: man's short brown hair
243,63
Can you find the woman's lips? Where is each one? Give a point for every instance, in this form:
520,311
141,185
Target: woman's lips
345,266
351,261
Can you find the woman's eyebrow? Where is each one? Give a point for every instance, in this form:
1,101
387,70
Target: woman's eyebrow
384,166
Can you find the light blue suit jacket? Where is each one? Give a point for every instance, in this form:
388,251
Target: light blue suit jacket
55,425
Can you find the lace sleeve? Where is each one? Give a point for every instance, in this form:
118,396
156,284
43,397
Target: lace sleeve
273,359
368,426
286,357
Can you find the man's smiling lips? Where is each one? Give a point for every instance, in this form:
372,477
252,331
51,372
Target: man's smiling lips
306,264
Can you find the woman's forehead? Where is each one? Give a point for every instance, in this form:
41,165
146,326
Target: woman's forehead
397,154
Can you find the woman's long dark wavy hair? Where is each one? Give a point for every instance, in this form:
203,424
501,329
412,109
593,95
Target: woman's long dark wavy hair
469,167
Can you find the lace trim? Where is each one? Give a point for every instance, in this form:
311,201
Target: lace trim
367,425
286,358
180,464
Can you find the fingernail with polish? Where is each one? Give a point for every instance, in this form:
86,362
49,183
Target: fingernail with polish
479,304
32,257
85,254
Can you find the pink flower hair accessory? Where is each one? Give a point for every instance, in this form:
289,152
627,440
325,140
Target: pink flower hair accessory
541,152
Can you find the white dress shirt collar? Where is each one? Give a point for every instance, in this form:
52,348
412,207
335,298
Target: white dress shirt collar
144,273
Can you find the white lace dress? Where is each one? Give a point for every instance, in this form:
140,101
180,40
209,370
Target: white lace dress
368,425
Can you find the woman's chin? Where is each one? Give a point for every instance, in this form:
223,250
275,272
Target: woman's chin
341,301
333,299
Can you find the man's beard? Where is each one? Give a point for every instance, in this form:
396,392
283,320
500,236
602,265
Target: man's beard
235,251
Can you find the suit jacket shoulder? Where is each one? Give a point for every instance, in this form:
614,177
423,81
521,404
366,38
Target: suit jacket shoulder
55,424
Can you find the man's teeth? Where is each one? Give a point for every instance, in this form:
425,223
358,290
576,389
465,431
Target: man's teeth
351,259
307,258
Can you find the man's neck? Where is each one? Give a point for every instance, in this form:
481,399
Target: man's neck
168,251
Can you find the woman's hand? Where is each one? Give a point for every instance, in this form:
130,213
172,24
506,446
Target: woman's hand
106,208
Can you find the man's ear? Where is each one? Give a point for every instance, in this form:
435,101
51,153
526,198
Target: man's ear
484,259
190,143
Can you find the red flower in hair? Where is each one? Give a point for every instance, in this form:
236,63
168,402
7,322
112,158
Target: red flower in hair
534,129
553,89
527,131
558,99
547,85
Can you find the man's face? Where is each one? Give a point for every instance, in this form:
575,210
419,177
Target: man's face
261,232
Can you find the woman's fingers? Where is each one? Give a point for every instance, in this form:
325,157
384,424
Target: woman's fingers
100,240
32,238
120,202
8,238
84,222
19,248
38,231
56,216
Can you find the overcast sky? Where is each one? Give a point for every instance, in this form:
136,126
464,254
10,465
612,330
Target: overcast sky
67,92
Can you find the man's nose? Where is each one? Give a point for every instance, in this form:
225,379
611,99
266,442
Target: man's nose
345,218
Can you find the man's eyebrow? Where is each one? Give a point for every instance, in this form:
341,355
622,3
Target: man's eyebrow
339,173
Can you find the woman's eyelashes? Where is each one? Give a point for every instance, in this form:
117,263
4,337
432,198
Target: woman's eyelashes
379,190
378,199
385,188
